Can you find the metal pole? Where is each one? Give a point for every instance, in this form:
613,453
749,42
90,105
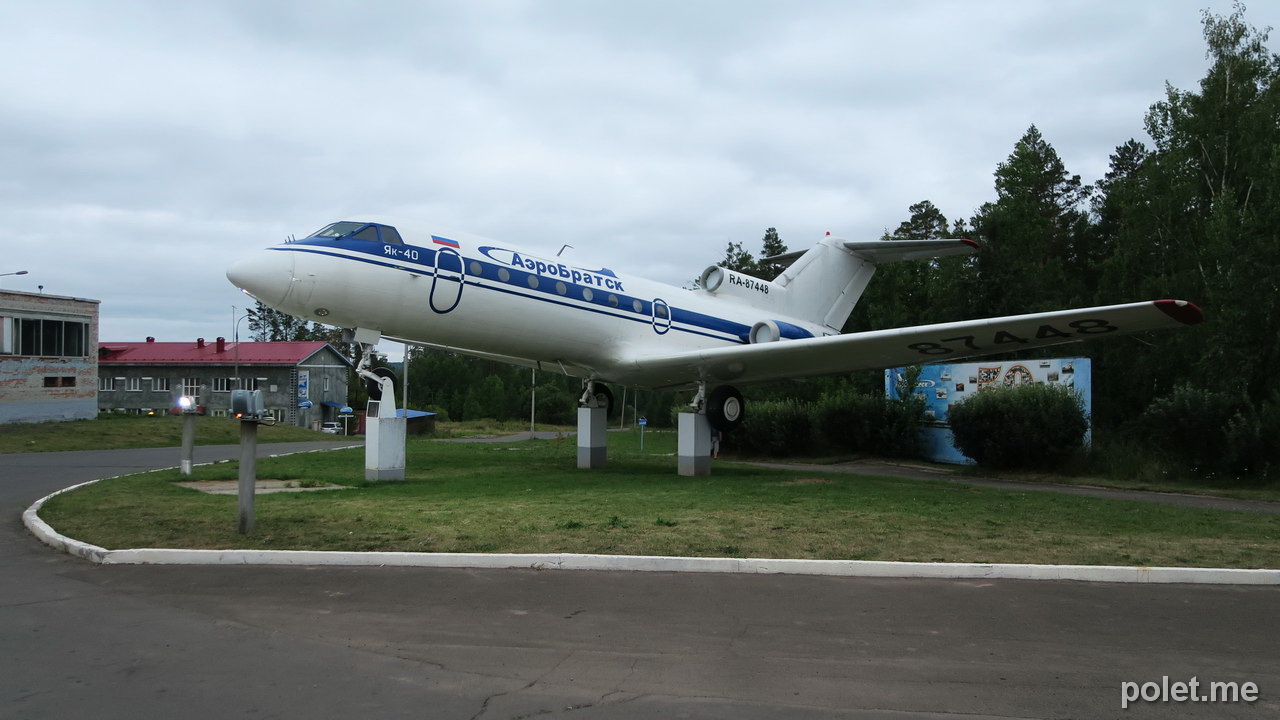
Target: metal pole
188,441
248,473
533,396
622,416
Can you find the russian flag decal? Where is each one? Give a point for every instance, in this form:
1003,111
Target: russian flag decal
444,241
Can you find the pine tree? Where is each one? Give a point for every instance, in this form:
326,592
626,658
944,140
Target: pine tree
1032,235
770,246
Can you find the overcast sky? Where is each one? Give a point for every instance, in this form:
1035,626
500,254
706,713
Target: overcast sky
146,145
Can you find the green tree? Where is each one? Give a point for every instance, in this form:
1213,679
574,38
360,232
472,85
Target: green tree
1033,236
738,259
267,324
770,246
1199,218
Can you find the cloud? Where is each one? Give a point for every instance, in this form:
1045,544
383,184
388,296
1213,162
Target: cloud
144,144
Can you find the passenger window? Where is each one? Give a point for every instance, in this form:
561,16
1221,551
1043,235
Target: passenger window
504,275
637,306
533,281
587,294
613,301
476,269
561,288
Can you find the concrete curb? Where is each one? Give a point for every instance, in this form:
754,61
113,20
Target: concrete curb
635,563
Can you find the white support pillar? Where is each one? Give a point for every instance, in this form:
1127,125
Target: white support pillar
384,439
384,435
592,448
694,448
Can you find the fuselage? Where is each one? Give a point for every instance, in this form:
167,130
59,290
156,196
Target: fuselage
491,298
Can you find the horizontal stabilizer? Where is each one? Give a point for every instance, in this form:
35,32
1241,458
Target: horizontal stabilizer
883,251
876,349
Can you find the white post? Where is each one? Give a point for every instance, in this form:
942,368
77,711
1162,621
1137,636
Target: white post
592,449
188,441
248,473
694,445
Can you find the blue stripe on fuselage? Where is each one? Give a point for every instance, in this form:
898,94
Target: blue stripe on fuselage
517,285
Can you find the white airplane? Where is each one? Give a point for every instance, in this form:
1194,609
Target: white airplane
492,300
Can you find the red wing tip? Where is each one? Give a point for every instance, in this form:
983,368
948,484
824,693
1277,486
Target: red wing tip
1181,310
971,243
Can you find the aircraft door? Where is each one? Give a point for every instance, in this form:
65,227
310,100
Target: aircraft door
661,316
446,286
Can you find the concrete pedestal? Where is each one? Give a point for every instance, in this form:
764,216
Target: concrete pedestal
592,446
694,449
384,448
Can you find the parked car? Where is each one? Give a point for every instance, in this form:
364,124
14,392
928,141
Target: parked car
333,428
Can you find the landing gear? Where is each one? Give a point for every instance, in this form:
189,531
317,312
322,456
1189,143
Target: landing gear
596,395
374,386
593,412
725,408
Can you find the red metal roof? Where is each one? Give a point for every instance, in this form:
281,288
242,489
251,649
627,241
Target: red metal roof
191,353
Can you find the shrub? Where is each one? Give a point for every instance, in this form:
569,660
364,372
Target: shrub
887,427
1032,426
1213,433
776,428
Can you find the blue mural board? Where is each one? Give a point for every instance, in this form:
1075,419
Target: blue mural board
945,385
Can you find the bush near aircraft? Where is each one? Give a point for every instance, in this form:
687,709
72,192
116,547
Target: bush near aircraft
1031,426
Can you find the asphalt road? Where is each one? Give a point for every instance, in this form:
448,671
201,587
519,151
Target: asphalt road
85,641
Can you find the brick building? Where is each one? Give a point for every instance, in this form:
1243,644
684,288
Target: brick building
303,383
48,369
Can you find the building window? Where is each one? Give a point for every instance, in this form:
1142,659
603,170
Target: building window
60,381
48,338
191,387
106,384
133,384
325,384
219,413
160,384
222,384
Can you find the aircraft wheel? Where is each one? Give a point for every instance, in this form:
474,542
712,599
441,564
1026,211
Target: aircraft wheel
603,397
374,388
725,408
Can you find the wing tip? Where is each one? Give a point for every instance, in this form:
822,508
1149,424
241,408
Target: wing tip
1184,312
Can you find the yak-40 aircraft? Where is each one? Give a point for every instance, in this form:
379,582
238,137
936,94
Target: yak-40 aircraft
493,300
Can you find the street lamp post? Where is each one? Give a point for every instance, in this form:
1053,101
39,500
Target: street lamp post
19,272
235,337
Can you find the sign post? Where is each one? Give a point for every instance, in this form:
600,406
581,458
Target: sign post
642,422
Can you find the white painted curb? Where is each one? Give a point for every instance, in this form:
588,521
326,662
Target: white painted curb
638,563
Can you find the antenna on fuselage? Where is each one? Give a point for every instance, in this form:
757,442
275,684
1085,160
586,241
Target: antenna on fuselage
562,248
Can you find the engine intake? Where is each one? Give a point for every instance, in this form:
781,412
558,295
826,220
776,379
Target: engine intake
772,330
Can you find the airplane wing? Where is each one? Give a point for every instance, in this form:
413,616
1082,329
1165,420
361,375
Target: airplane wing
836,354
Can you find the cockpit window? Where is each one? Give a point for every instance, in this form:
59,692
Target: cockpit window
360,231
338,229
390,236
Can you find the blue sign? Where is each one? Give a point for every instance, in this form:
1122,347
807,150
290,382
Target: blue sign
304,404
344,410
643,421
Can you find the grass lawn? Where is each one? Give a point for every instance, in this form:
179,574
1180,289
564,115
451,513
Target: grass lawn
113,432
530,497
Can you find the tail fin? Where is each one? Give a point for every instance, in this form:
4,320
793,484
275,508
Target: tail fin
825,282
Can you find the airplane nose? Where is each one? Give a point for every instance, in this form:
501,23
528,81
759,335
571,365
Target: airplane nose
267,275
